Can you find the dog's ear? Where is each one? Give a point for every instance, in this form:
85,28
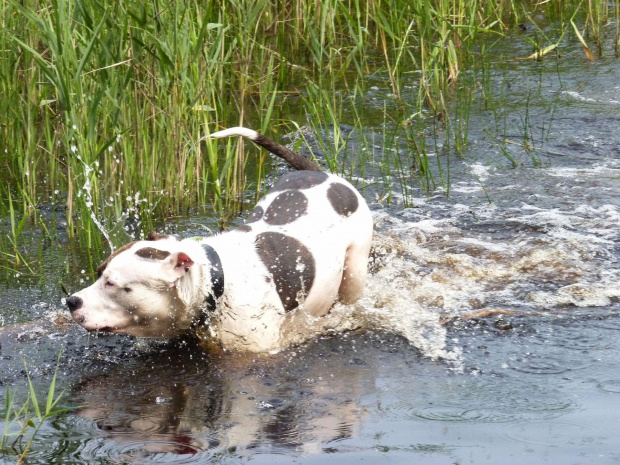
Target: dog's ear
176,266
155,236
183,261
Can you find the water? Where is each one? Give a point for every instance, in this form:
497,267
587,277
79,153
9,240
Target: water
488,331
543,390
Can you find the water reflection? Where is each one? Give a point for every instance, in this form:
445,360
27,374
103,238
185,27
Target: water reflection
346,398
188,402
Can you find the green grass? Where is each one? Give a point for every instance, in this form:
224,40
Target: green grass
103,102
22,422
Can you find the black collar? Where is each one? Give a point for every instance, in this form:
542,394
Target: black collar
217,283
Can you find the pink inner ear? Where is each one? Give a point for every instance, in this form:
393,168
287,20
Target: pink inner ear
183,260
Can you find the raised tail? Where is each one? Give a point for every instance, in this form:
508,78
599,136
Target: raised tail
296,160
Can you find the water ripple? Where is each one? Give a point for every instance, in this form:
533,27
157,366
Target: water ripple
541,404
564,338
451,413
460,414
179,449
122,438
609,323
612,385
548,364
553,433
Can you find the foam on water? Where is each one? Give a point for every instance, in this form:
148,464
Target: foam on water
441,259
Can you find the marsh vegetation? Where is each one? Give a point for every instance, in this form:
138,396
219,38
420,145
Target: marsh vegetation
103,102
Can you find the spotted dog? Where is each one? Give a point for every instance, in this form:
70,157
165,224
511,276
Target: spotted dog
304,247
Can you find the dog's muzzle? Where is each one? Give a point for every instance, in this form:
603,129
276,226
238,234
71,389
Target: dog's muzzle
74,303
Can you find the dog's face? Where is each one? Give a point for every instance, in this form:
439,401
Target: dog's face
137,293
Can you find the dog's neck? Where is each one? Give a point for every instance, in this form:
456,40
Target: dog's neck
213,288
217,277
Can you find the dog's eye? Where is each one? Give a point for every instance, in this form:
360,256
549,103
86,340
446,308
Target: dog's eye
109,284
127,289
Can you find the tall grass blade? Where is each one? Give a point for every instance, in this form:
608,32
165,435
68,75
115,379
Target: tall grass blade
8,406
51,402
33,395
586,49
89,49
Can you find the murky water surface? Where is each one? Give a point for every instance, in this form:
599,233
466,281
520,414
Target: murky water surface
489,332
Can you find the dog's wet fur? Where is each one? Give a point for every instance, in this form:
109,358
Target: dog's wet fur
304,247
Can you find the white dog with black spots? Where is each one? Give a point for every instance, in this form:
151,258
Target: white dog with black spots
304,247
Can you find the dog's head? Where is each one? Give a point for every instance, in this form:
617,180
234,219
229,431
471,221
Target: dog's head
140,291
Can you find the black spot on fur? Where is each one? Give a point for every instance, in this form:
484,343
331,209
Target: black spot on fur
290,264
256,215
244,228
342,199
300,180
286,208
152,253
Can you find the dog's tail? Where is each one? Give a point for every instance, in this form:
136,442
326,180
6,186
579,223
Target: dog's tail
296,160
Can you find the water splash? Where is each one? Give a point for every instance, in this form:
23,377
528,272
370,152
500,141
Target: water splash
86,192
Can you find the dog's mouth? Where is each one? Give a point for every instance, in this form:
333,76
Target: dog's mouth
81,321
105,329
94,327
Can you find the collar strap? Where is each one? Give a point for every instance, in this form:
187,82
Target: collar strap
217,282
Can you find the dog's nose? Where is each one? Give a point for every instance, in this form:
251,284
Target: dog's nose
74,302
